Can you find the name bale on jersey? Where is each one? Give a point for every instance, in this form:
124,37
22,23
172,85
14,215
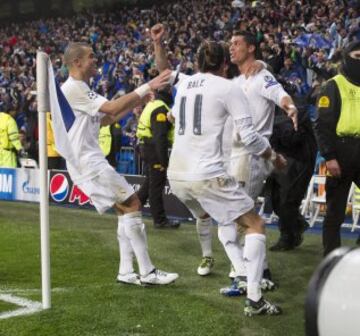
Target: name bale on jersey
196,84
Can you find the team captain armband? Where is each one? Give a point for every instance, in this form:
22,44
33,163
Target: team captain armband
324,101
143,90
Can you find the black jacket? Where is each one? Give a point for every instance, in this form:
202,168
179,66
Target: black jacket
326,120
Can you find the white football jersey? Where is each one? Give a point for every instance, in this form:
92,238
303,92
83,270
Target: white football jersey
202,105
84,133
263,92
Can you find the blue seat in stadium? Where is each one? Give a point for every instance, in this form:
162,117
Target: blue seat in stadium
123,167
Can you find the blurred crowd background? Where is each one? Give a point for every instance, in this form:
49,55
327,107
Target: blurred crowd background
301,41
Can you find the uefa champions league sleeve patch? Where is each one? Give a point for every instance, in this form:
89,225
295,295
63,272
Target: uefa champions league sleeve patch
92,95
269,81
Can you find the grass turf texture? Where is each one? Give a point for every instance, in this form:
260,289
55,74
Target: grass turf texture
87,301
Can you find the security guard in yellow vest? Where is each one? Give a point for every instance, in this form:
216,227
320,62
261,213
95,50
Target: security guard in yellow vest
155,134
110,142
337,128
10,144
55,161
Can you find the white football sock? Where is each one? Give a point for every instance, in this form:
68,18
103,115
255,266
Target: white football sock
241,247
228,236
254,255
135,232
125,249
203,228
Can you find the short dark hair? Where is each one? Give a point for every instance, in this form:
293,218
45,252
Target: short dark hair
250,39
210,56
73,51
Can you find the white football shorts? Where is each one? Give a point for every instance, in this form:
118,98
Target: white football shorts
106,189
220,197
250,170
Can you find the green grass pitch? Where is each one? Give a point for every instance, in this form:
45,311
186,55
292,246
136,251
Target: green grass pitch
86,300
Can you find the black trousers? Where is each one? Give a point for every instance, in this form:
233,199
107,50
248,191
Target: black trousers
154,184
287,190
337,191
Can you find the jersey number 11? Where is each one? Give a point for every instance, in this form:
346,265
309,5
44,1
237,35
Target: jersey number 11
197,115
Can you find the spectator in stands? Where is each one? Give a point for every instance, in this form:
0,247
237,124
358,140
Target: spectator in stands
119,37
131,124
337,128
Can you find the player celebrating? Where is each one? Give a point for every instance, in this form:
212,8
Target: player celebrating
263,93
90,170
199,179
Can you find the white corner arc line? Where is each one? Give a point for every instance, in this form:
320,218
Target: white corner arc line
28,306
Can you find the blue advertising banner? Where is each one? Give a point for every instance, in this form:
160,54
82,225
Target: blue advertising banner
7,183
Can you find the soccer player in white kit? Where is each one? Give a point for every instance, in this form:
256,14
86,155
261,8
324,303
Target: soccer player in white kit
91,171
196,170
263,93
250,173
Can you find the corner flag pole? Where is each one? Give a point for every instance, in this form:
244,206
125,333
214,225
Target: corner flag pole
42,60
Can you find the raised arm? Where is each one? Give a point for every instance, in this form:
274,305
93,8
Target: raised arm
116,109
161,60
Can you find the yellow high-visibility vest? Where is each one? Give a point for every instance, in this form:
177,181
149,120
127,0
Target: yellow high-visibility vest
144,125
349,121
105,139
9,141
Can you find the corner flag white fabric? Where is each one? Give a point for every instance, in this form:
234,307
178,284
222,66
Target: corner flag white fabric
50,98
62,117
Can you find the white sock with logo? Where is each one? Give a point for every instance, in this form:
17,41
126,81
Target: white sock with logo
254,255
125,249
135,232
228,236
203,228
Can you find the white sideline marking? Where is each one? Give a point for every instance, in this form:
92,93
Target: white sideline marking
5,290
29,307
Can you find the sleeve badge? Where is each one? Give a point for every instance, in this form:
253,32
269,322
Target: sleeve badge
92,95
161,117
324,101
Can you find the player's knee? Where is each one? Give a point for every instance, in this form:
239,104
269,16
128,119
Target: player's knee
251,221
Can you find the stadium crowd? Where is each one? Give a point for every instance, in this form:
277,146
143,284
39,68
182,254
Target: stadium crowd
300,40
